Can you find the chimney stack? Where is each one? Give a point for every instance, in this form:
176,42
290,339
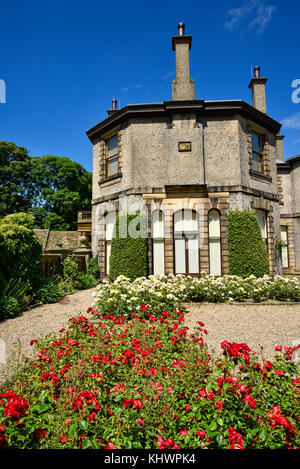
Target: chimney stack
113,109
279,147
183,87
258,86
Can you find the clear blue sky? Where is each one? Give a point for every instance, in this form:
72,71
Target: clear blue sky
64,61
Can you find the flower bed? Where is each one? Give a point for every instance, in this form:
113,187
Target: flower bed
148,383
123,297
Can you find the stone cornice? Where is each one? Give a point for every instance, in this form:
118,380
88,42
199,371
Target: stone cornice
168,108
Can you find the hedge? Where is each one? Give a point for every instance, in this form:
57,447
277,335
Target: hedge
129,254
246,248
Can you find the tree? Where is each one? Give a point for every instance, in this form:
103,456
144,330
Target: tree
247,251
16,188
64,188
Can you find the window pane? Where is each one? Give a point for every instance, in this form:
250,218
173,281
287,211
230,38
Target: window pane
261,218
193,256
158,257
180,256
113,146
185,221
113,166
257,162
110,223
157,224
284,249
214,224
108,251
215,256
256,142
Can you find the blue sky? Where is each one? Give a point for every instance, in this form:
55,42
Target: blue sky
63,62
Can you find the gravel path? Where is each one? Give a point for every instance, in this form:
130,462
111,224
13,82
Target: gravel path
255,325
39,322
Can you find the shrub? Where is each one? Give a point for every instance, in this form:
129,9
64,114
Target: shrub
93,267
20,252
85,281
50,290
15,298
149,384
247,251
123,297
129,254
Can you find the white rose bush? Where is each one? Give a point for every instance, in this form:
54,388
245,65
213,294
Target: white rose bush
167,293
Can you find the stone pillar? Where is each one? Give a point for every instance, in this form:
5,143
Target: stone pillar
183,87
258,86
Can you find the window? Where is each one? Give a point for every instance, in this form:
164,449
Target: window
109,229
158,243
214,234
261,216
284,247
186,242
257,151
112,156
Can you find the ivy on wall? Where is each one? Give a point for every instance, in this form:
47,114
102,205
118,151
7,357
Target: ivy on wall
129,246
246,248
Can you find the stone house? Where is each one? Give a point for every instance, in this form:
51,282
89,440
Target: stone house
185,163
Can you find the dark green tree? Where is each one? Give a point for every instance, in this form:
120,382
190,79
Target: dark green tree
64,188
16,187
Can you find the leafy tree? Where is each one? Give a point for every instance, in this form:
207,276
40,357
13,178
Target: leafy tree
16,188
64,188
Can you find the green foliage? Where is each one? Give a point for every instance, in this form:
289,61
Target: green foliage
16,188
247,251
93,267
21,219
129,246
20,253
64,188
15,298
85,281
51,188
50,290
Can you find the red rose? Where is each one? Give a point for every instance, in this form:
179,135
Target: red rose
39,433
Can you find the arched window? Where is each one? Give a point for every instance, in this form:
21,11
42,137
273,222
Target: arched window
284,247
158,242
186,242
109,228
214,234
261,216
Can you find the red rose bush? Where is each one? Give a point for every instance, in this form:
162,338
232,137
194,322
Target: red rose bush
147,381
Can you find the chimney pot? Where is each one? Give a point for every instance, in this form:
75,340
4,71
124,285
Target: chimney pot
257,72
114,104
181,27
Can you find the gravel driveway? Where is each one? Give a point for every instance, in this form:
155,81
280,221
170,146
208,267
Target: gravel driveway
256,325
